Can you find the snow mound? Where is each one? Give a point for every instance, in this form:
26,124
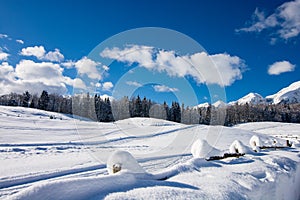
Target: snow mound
255,143
201,149
238,147
123,161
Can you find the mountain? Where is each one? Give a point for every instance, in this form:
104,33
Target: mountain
202,105
219,104
290,94
251,98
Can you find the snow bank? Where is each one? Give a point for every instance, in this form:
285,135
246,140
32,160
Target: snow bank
201,149
238,147
77,188
123,160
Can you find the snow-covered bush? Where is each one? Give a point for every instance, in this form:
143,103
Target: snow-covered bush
201,149
238,147
123,161
255,143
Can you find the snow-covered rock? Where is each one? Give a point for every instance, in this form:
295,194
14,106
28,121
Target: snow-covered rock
238,147
123,161
201,149
290,94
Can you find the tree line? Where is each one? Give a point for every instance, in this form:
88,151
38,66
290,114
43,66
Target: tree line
105,110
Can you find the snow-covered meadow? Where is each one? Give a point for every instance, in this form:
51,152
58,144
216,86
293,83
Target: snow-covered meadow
67,158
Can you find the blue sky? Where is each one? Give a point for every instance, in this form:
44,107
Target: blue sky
52,45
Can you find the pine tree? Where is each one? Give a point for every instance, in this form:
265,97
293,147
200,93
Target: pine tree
43,100
26,99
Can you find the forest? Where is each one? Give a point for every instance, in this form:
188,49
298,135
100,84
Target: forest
105,110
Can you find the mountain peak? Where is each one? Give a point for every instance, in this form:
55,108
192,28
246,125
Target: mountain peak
290,94
220,104
251,98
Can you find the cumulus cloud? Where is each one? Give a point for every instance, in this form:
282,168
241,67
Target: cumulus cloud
134,83
131,54
281,67
46,72
107,86
37,51
35,77
86,66
6,72
3,55
222,69
40,53
54,56
78,83
285,19
164,88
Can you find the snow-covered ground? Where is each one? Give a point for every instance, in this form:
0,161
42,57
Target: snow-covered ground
67,158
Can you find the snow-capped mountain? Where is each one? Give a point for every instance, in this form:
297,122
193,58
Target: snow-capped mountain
202,105
251,98
220,104
290,94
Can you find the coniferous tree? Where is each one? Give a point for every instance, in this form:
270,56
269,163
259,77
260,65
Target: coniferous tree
43,100
26,99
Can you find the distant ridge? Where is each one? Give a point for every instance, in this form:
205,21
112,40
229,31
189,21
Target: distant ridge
290,94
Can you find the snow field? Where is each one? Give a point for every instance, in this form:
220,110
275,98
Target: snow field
71,159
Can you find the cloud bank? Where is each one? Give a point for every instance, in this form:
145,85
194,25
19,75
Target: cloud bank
222,69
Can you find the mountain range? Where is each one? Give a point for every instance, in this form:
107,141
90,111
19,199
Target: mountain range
290,94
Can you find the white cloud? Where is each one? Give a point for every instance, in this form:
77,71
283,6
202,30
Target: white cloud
164,88
285,20
3,55
68,64
222,69
40,53
3,35
86,66
78,83
37,51
280,67
6,72
54,56
35,77
134,83
107,86
106,68
20,41
46,72
131,54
